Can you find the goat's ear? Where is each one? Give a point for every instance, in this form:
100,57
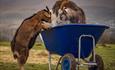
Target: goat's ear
47,8
44,9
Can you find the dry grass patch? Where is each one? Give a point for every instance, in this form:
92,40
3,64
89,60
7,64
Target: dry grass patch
36,56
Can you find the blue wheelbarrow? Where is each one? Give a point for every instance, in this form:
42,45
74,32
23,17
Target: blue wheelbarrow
74,41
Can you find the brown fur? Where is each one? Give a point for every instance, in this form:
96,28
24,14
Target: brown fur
26,35
60,4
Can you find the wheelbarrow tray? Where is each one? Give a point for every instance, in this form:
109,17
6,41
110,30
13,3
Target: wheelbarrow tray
65,39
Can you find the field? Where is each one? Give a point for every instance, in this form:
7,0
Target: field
38,59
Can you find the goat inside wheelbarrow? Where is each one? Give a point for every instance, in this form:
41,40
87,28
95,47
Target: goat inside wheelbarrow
74,41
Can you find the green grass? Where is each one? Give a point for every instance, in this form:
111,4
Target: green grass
14,66
36,46
107,53
4,43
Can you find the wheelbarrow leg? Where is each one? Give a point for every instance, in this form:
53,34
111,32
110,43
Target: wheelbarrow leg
79,48
49,60
59,62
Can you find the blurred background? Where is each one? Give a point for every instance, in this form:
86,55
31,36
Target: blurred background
13,12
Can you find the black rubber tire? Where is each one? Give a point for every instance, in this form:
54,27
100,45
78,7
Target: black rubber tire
71,59
99,61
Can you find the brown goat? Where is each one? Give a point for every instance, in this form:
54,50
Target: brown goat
26,34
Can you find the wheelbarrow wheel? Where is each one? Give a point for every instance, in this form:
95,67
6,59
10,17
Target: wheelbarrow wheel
68,62
99,61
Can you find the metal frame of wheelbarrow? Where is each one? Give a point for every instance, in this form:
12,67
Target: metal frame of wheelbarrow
93,52
79,50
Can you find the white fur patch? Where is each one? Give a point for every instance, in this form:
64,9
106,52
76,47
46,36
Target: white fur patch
70,12
56,21
16,53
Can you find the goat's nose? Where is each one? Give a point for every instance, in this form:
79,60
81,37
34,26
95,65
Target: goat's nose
46,26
